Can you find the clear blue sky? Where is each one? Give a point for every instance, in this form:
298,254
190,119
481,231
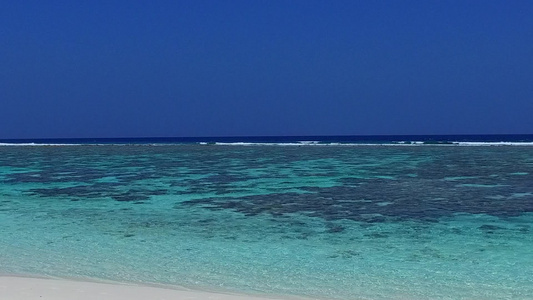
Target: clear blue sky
224,68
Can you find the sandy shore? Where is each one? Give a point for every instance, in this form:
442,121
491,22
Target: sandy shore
23,288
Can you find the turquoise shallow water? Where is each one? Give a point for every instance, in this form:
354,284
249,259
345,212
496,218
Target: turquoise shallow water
335,222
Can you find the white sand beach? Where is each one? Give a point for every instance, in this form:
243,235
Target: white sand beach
24,288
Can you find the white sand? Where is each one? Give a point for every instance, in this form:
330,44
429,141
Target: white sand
22,288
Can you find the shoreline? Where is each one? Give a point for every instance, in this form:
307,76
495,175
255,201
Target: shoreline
28,288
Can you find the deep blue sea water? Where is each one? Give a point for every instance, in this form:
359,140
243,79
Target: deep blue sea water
363,139
447,217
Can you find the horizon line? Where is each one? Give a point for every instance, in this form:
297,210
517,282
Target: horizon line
261,136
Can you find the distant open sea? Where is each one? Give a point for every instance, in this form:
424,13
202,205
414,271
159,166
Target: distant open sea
364,217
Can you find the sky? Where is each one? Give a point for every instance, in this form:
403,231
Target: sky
264,67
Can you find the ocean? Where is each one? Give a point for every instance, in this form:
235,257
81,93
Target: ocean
383,217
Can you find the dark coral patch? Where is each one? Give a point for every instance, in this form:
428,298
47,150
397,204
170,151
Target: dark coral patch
410,199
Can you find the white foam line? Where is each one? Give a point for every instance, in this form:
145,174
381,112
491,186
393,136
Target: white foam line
298,144
494,143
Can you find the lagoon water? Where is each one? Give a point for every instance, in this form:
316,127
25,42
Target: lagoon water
317,221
